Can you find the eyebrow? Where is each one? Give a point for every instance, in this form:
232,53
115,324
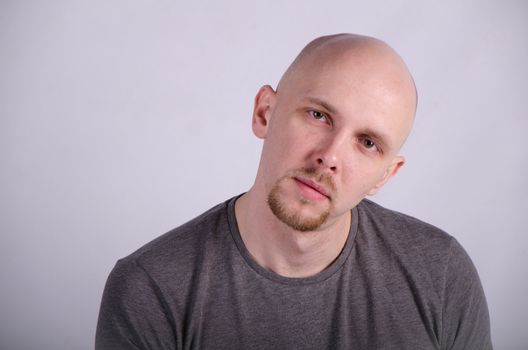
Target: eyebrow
323,104
378,138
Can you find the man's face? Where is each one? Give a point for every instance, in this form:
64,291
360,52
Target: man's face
331,138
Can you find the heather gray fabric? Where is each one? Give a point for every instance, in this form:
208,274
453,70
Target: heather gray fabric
399,283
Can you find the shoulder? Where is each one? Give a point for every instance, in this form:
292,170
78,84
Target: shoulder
184,246
406,246
376,214
400,230
417,255
431,257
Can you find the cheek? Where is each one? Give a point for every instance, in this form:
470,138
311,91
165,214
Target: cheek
279,155
292,146
360,175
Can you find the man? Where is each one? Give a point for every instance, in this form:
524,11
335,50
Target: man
302,260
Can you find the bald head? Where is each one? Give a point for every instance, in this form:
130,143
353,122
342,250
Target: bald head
369,63
338,117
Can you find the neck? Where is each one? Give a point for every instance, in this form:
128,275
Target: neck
283,250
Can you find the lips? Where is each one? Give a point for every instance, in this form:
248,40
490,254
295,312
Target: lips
313,185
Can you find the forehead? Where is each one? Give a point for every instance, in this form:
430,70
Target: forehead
361,95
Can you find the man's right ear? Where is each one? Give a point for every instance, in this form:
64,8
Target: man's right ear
264,102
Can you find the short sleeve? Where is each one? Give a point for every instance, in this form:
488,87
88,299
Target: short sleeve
465,320
133,314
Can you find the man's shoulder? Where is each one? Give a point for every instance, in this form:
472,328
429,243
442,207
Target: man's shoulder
408,254
183,243
403,234
373,215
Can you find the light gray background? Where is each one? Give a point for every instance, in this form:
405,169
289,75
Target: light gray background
120,120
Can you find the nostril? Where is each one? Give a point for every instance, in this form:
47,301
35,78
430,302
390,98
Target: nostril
333,168
320,161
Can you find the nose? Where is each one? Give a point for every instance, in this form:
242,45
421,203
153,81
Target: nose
329,153
323,162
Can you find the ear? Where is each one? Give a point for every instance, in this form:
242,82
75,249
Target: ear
393,168
262,110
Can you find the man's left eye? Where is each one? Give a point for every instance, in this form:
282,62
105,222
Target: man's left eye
318,115
369,143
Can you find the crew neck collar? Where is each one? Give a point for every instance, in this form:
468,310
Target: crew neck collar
319,277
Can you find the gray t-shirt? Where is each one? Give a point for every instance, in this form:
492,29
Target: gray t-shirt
398,283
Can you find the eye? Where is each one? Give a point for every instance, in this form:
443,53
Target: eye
368,143
318,115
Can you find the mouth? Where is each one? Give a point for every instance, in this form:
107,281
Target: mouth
312,188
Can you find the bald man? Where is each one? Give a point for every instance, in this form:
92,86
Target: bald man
302,260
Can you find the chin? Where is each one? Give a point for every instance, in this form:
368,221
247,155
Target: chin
301,215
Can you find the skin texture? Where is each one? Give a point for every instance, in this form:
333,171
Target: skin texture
332,132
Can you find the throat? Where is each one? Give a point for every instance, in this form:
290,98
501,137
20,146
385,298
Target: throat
286,251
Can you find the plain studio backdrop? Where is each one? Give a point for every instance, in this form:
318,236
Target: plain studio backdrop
120,120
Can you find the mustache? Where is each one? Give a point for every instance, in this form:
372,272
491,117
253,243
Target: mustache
318,175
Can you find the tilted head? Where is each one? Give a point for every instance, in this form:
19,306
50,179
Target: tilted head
333,128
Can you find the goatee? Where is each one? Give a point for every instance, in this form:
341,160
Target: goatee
291,217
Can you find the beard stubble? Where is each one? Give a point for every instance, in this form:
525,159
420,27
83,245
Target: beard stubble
292,218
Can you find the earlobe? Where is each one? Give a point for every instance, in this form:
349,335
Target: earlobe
262,110
393,168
